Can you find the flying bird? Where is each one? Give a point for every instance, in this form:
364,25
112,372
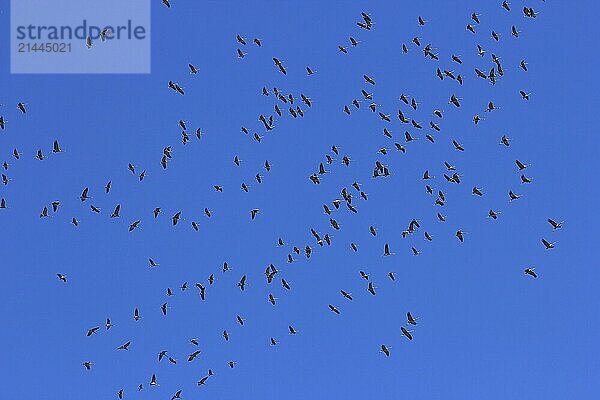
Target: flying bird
555,225
193,355
385,350
411,320
547,244
124,346
406,333
531,272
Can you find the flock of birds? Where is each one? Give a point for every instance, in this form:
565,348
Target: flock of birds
295,106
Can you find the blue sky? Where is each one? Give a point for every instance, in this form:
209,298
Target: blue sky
484,329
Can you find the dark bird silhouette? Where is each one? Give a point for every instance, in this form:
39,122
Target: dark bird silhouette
531,272
334,309
92,331
385,350
547,244
193,355
346,294
512,196
411,320
134,225
124,346
555,225
116,212
406,333
242,283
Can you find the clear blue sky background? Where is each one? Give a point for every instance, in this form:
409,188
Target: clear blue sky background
485,329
